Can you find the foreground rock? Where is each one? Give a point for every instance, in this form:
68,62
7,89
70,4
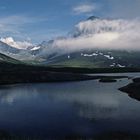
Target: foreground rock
133,89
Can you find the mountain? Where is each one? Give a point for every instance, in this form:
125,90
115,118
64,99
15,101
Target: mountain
7,59
51,54
18,50
90,44
21,45
96,59
93,18
5,48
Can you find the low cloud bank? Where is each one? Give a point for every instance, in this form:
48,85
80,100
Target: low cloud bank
117,34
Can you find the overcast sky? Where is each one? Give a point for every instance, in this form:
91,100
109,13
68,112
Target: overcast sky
39,20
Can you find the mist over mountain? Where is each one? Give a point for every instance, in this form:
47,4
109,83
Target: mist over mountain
93,33
96,33
5,48
95,42
100,40
20,50
16,44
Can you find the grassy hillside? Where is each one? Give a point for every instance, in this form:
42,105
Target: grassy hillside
13,71
98,60
7,59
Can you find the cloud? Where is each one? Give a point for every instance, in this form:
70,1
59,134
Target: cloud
16,44
84,8
115,34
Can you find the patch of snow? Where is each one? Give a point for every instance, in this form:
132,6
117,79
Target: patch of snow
121,66
94,54
101,53
109,57
89,55
16,44
68,56
113,65
35,48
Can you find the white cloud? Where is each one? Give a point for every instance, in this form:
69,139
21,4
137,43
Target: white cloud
84,8
16,44
101,34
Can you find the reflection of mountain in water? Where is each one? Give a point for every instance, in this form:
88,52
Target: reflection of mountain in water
96,112
91,99
74,108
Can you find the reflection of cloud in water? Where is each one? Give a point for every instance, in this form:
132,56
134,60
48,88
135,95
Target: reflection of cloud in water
13,94
91,99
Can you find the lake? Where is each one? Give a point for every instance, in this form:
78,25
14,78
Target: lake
69,109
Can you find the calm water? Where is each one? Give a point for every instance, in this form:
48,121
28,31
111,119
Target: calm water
82,108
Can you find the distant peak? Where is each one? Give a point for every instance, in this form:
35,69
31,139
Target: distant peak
93,18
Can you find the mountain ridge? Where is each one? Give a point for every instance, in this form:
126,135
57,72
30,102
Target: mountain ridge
56,52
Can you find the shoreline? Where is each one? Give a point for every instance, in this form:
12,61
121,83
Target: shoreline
22,73
51,77
132,89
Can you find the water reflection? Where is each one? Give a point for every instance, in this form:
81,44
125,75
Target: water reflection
92,99
15,93
69,106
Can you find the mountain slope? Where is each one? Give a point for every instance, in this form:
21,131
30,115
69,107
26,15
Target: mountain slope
5,48
7,59
96,59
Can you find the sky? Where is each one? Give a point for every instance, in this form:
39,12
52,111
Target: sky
39,20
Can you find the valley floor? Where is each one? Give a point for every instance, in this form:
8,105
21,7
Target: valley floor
22,73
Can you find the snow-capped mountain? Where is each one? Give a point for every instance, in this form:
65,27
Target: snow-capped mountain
23,45
92,44
95,42
5,48
97,33
21,50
